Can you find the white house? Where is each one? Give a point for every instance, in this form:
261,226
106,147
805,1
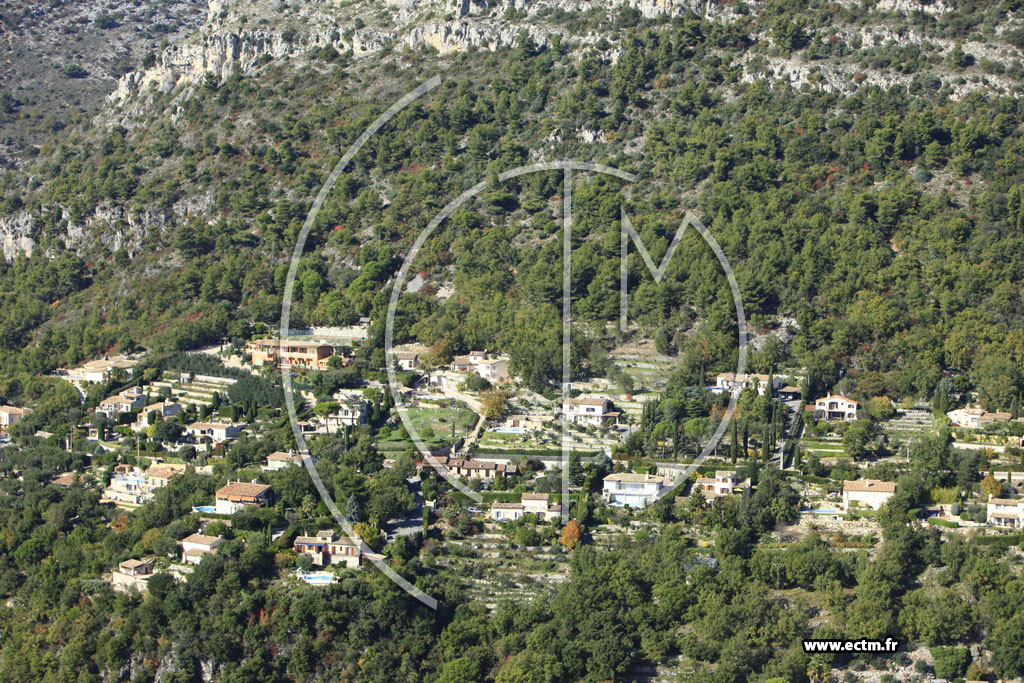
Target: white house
351,412
724,483
589,411
10,416
97,371
128,400
194,547
132,574
280,460
727,382
407,360
535,503
329,548
164,409
836,408
492,368
131,486
974,418
1005,512
870,492
216,432
635,490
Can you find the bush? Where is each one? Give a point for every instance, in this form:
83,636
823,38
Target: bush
950,662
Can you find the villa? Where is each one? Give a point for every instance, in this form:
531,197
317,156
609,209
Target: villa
724,483
1005,512
329,548
975,418
728,382
214,432
10,416
635,490
535,503
164,409
279,460
870,492
589,411
836,408
124,402
305,355
196,546
239,495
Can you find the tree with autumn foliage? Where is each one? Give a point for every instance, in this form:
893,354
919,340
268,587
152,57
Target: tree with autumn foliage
571,534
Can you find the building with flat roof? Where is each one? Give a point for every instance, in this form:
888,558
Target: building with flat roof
635,490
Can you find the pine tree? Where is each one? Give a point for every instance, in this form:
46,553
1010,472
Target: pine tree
576,473
352,510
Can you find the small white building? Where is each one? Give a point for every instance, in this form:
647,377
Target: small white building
351,412
869,492
194,547
594,411
635,490
164,409
281,459
407,360
532,503
128,400
216,432
836,408
728,382
10,416
975,418
132,574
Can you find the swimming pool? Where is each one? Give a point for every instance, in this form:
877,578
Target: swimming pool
204,508
819,511
316,578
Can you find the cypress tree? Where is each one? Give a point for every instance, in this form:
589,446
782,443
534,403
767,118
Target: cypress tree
734,445
746,440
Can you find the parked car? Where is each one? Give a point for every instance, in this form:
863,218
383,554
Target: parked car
476,511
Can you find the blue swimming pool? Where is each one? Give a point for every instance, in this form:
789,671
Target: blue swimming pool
204,508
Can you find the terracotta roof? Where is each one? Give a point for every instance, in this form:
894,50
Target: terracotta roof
788,389
869,485
242,489
507,506
1005,501
536,496
840,396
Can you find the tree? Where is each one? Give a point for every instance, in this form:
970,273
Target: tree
495,403
881,408
353,512
571,534
576,473
950,662
1007,654
990,487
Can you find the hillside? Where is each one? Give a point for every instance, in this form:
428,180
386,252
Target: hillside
875,217
59,60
